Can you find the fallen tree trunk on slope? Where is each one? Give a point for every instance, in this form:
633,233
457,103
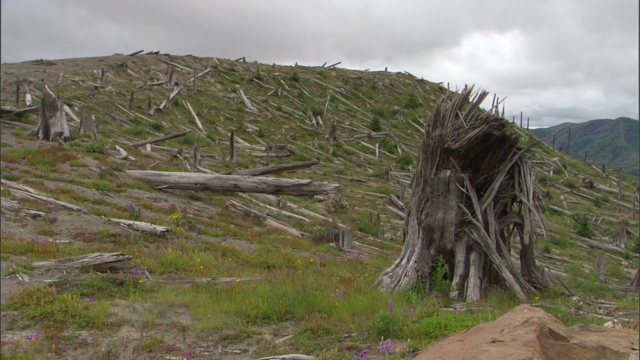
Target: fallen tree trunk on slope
233,183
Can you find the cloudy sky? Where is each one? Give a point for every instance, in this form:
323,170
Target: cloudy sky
555,60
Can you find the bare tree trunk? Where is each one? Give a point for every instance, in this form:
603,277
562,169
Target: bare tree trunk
53,121
473,192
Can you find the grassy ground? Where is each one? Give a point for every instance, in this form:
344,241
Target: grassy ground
281,293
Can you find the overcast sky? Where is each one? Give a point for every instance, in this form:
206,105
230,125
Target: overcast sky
555,60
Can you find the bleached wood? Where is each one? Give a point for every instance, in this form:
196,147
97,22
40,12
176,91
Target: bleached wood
82,261
233,183
142,226
248,103
195,116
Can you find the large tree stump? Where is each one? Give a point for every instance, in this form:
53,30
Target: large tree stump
53,121
473,192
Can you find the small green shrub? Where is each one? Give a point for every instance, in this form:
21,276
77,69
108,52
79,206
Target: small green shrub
375,125
404,161
572,183
440,282
583,226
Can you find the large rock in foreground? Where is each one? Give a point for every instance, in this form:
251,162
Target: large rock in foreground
527,332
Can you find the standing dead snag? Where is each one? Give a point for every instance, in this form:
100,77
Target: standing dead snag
473,192
53,121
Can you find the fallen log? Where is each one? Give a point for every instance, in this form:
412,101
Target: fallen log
233,183
163,138
81,261
278,168
142,226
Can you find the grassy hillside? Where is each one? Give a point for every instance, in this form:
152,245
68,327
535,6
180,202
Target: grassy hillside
616,143
225,282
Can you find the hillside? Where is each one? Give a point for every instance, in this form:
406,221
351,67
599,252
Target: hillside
240,276
615,143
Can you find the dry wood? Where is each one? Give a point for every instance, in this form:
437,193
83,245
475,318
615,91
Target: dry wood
234,205
163,138
136,53
25,192
596,244
195,116
275,210
53,122
464,153
88,126
10,110
199,75
171,63
250,106
82,261
123,154
288,357
142,226
278,168
220,281
12,208
233,183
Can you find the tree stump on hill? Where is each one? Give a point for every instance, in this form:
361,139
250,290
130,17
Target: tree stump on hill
473,193
53,124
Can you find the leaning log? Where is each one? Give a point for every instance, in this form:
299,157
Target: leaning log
233,183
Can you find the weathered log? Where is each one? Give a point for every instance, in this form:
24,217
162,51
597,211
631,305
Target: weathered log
142,226
288,357
233,183
25,192
278,168
135,53
248,103
163,138
82,261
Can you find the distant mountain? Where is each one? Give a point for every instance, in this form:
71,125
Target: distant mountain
615,142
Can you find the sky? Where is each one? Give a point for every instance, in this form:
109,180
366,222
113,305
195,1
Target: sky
555,60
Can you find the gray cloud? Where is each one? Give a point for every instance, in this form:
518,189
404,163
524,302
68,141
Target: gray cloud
555,61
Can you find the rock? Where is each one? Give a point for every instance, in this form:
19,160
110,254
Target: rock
527,332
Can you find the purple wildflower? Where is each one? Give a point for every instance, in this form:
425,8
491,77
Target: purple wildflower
473,311
5,343
436,296
34,336
91,298
362,354
391,306
185,353
455,308
385,346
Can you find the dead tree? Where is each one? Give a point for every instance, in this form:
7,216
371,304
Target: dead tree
472,193
53,121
